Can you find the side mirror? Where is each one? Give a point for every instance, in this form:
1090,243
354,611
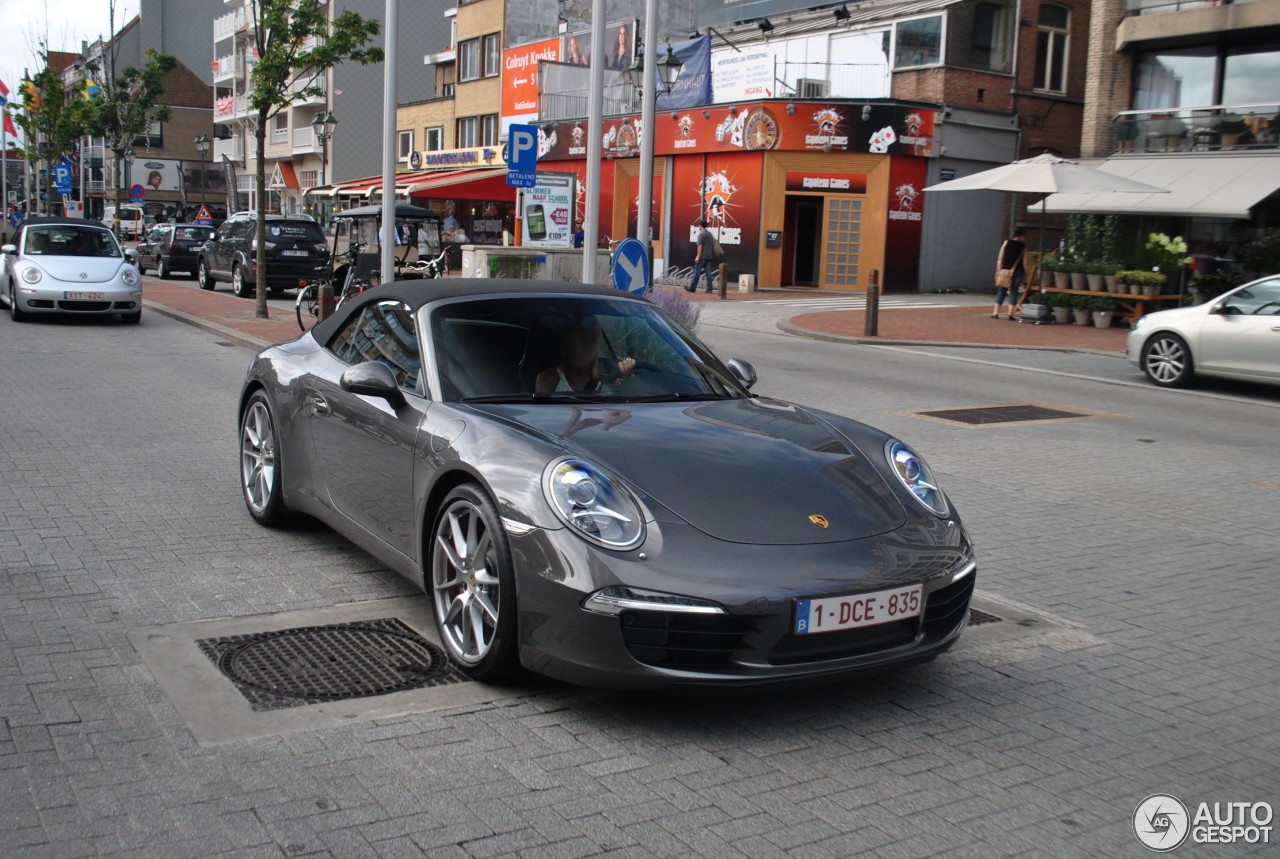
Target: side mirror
9,249
372,379
131,254
743,372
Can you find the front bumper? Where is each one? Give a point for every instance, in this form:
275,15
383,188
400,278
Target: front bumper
53,298
752,644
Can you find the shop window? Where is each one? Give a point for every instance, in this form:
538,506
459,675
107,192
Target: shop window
489,130
435,138
468,132
980,35
917,42
492,55
469,60
1051,48
404,145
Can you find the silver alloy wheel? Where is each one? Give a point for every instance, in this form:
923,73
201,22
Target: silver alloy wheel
237,281
465,583
161,270
1166,360
202,275
257,457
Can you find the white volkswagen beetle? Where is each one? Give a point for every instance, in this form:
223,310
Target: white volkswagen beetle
68,265
1235,336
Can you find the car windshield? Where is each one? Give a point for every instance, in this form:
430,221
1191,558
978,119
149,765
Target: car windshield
69,240
304,230
554,348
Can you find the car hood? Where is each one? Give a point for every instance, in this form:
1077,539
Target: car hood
71,269
743,470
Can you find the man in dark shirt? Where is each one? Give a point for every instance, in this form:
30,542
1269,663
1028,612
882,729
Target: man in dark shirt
704,257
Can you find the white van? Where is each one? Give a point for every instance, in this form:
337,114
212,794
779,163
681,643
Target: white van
132,221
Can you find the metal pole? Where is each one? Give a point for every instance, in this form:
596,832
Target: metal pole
648,110
389,142
4,173
872,326
595,143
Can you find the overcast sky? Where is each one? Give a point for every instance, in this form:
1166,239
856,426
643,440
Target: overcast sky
25,24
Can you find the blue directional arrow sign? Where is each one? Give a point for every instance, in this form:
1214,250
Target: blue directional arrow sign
631,267
522,156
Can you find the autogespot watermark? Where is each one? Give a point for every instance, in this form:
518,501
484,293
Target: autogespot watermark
1163,823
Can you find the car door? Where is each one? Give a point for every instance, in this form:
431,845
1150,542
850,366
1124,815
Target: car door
364,446
1241,335
147,253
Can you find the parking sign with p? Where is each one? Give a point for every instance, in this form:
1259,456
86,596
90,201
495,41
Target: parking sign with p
522,156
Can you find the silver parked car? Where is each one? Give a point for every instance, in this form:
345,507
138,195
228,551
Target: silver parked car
1235,336
58,265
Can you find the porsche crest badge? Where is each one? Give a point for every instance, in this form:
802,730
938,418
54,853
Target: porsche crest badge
819,520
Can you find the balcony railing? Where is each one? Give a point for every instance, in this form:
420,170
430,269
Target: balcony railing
228,24
1160,7
228,68
304,141
1214,128
233,148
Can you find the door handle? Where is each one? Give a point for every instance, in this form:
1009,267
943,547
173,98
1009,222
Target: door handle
320,404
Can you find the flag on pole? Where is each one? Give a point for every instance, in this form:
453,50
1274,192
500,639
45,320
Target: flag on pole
4,95
9,127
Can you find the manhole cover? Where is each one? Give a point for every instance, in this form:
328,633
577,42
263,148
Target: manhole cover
309,665
977,617
1003,414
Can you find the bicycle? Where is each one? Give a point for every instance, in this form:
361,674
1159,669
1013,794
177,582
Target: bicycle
307,305
429,268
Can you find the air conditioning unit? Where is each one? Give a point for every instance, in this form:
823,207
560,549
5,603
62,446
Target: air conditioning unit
810,88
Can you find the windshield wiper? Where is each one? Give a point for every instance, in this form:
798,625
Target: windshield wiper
677,396
533,398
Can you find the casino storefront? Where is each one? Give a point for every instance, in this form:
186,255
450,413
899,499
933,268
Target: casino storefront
801,194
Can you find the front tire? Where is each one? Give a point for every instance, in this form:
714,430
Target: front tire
1166,359
472,586
16,313
162,270
203,277
260,478
238,284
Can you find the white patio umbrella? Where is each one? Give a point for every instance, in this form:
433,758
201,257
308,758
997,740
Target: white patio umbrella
1046,174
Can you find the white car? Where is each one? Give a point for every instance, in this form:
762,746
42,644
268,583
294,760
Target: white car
1235,336
68,265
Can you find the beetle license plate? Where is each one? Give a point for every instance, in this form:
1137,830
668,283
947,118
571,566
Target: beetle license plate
83,296
295,253
833,614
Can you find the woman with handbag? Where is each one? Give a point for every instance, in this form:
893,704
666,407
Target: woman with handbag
1011,269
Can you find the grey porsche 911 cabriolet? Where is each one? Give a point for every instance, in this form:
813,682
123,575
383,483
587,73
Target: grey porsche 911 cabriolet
581,488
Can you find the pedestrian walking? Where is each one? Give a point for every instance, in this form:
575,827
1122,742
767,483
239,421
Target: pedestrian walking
704,257
1011,269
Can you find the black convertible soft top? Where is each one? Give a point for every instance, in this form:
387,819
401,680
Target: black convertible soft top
417,293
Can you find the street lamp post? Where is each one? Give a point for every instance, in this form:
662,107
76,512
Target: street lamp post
668,70
323,126
202,143
128,184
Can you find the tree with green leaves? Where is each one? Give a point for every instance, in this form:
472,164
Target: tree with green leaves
297,43
51,123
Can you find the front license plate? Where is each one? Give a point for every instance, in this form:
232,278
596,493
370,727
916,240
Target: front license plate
83,296
832,614
295,253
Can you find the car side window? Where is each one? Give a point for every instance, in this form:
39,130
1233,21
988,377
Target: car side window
1261,299
382,331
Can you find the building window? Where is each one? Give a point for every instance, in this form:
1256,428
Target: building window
469,60
404,145
280,127
492,55
489,130
468,132
435,138
980,35
1051,48
918,42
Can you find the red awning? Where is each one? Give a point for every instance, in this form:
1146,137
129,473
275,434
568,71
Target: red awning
483,184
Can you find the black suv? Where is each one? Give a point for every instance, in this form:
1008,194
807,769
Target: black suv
296,247
172,247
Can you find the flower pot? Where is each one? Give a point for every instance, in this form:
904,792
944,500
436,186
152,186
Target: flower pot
1150,291
1046,277
1102,318
1111,282
1118,287
1061,280
1062,315
1096,283
1079,281
1081,317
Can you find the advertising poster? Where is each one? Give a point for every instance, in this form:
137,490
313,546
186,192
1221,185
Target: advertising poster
520,80
155,174
726,190
206,176
606,194
546,216
693,85
742,75
633,208
906,224
619,46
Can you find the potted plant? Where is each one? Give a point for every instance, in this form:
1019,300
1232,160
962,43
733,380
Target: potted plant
1080,312
1145,283
1079,280
1111,276
1103,309
1060,303
1094,272
1056,267
1167,256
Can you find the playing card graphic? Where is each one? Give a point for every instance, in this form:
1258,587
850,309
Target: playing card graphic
882,140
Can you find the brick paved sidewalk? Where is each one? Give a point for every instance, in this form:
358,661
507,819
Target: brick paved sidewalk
957,325
220,312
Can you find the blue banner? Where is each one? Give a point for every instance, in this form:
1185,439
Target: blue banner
693,86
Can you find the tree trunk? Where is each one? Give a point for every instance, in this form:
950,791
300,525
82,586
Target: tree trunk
260,230
115,173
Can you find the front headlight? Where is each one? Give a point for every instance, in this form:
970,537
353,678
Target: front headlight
914,473
31,274
130,276
588,501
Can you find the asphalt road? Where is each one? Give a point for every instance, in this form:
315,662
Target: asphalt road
1142,539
